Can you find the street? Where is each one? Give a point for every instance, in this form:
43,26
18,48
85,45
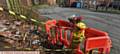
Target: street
104,21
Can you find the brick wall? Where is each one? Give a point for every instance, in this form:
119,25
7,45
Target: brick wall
51,2
3,3
26,2
71,1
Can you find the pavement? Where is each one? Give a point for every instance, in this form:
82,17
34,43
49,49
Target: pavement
103,21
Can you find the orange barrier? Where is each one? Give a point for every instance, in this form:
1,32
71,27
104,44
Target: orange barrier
96,39
93,38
